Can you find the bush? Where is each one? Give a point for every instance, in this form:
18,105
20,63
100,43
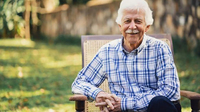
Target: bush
11,20
62,39
68,39
180,45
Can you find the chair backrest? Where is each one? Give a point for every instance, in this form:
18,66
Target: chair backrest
91,44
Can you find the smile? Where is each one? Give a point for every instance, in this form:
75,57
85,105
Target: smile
129,31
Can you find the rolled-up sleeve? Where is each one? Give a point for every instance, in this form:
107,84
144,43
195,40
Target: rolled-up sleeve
90,78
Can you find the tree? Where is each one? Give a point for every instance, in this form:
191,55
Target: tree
27,18
11,20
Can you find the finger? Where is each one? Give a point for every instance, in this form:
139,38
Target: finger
104,96
109,109
100,104
103,104
109,96
109,103
105,109
114,97
101,108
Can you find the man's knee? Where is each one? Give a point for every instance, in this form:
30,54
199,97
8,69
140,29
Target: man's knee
159,100
161,104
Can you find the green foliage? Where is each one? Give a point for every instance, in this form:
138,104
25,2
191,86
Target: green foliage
188,69
67,39
73,2
197,50
181,45
62,39
11,22
188,65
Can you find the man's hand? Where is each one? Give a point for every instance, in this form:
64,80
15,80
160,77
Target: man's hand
117,106
103,99
108,102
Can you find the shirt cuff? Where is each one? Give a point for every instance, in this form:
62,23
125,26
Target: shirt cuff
127,104
94,93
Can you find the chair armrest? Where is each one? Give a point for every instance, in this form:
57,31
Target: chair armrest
190,95
79,102
78,97
194,99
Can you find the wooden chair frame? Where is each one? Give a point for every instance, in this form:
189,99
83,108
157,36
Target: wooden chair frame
80,99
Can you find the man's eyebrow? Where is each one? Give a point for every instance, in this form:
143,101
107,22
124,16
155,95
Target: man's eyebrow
139,18
127,18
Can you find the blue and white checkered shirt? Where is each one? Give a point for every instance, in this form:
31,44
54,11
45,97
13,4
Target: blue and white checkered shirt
136,76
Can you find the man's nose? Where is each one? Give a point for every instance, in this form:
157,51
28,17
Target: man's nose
132,25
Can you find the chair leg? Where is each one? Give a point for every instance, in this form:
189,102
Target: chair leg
195,105
80,106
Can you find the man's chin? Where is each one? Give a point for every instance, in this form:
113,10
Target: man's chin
134,39
134,35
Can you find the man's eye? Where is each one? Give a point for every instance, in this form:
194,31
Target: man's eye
138,21
127,21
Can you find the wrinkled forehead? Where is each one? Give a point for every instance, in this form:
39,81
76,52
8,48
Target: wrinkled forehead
137,11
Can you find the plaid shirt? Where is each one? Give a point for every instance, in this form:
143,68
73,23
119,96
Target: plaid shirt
136,76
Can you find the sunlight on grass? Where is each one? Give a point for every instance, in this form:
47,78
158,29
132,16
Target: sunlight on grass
37,78
55,108
188,70
16,43
186,109
74,60
16,94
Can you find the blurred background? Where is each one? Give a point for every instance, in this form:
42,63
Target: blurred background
40,52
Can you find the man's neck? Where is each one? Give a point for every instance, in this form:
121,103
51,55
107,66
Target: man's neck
130,47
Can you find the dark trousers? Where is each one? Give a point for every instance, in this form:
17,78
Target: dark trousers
163,104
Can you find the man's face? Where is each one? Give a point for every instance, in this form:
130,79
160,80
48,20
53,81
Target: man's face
133,27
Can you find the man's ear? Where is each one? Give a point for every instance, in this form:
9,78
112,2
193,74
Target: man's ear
147,28
120,28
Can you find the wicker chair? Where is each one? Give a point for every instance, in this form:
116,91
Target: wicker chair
91,44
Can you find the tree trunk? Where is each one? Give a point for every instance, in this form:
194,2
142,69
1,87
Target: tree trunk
27,19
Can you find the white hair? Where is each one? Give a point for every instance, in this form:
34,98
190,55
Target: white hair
135,5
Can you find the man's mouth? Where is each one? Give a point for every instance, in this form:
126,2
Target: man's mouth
129,31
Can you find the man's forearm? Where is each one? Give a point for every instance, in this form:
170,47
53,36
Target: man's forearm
85,88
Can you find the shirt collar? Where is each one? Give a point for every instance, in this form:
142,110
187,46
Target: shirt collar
137,50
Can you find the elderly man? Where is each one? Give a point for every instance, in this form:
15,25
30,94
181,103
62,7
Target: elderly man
140,69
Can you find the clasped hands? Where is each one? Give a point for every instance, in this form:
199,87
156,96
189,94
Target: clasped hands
108,102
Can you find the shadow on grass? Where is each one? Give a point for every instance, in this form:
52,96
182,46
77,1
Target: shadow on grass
62,39
33,91
38,77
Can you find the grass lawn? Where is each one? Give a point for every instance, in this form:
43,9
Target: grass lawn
37,76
